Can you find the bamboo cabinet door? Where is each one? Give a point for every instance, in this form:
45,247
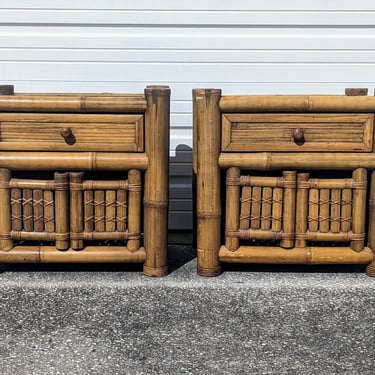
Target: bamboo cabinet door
69,211
295,210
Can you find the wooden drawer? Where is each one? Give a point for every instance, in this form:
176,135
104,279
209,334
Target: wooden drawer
71,132
297,132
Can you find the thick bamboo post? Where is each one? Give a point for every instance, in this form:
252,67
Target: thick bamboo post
156,190
76,210
302,209
370,270
6,243
62,210
232,210
207,134
289,209
135,200
359,209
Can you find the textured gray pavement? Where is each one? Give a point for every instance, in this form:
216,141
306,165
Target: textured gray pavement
249,320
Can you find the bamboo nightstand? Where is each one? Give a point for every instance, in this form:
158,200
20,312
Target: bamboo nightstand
84,177
283,179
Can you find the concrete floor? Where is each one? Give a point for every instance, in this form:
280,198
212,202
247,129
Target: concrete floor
250,320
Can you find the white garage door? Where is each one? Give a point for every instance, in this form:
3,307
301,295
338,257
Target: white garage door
241,46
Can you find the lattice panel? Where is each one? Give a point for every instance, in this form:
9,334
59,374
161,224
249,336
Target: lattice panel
260,208
331,209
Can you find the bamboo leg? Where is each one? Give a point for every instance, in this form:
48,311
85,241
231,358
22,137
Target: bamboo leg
289,209
207,128
156,187
62,210
6,243
76,210
302,209
359,209
370,270
232,211
135,200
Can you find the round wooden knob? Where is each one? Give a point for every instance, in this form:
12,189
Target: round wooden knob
298,135
66,133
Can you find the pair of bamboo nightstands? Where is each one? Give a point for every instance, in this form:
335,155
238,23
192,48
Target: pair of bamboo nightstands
279,179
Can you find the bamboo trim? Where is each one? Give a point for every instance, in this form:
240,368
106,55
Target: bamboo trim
91,254
49,211
297,103
62,210
207,139
16,183
232,215
324,198
121,210
6,243
85,103
70,161
76,209
107,235
310,160
306,255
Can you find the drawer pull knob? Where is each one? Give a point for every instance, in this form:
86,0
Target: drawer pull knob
68,135
298,135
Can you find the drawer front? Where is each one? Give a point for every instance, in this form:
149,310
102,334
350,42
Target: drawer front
71,132
297,132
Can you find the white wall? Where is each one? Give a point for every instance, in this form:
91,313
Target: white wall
241,46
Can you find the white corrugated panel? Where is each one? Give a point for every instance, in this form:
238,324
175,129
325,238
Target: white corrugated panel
241,46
